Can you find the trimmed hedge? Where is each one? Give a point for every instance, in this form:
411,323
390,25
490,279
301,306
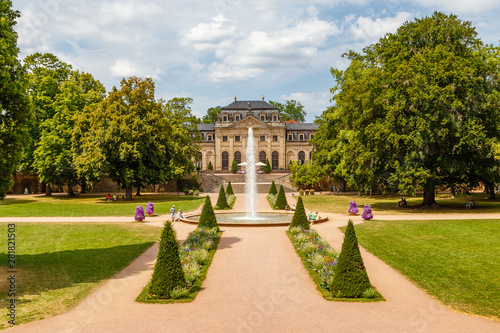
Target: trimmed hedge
229,189
272,189
299,219
207,217
351,280
281,199
222,200
168,274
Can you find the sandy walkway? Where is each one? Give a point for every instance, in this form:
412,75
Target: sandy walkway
257,284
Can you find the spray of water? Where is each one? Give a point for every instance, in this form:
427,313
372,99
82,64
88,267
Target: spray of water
250,177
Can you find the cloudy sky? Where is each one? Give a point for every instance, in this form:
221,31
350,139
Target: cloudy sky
213,50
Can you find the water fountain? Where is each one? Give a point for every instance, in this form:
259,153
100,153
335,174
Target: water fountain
250,177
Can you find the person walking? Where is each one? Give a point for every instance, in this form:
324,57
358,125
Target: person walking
172,212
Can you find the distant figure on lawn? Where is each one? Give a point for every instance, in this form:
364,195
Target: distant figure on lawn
180,215
293,208
470,204
402,203
172,212
108,197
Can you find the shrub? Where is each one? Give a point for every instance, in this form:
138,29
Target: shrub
267,168
272,189
367,212
353,208
230,200
234,167
222,200
197,192
311,191
301,192
281,199
299,219
229,189
168,273
150,208
272,200
207,217
210,167
179,292
139,213
351,280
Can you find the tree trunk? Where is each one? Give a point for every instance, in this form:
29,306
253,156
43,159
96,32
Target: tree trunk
48,191
492,191
429,194
84,186
138,191
70,191
128,193
452,190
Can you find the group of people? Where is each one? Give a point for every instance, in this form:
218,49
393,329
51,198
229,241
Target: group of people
287,208
180,215
111,198
470,204
313,217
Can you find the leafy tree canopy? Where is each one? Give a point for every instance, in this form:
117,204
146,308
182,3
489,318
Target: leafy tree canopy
211,116
418,109
306,175
291,110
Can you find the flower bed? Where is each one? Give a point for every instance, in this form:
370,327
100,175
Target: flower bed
196,255
320,260
272,199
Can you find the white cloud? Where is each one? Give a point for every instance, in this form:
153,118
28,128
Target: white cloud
314,102
124,68
368,30
461,6
211,35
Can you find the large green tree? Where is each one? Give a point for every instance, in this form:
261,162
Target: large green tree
418,109
211,116
307,175
14,103
53,156
129,137
291,110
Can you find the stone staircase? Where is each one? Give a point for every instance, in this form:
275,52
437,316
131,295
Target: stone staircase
263,181
209,182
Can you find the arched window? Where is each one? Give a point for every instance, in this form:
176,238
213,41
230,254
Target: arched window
274,163
262,157
237,158
199,163
225,160
302,157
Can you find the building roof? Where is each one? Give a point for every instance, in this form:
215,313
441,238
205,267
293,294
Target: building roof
301,126
243,105
206,127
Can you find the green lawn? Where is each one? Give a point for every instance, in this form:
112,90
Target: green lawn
92,205
455,261
386,204
59,264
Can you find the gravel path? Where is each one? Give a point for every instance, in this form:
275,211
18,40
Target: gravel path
257,284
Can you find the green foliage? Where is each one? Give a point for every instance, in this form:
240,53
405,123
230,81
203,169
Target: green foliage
231,199
350,280
299,219
267,168
281,199
291,110
211,116
222,200
210,167
307,175
271,198
14,104
207,217
272,189
168,273
234,167
404,116
229,189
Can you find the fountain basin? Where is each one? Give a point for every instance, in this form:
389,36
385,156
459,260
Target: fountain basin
280,219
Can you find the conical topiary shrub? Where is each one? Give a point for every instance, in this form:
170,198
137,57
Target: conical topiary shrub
299,217
350,279
234,167
229,189
281,199
168,273
222,200
210,167
272,189
267,168
207,217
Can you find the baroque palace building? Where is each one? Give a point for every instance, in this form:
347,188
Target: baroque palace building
275,139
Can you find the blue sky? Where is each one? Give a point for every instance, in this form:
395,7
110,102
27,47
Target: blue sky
213,50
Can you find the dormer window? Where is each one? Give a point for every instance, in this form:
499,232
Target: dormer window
209,137
237,117
275,118
262,117
290,137
224,118
301,137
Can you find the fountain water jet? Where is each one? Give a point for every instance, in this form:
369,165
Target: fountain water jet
250,177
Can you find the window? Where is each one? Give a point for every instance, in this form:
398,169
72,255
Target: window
237,138
311,136
237,158
262,138
301,137
262,117
275,138
274,163
224,118
225,160
224,138
262,157
302,157
199,163
209,137
237,117
275,118
290,137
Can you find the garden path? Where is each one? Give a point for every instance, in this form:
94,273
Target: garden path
257,284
